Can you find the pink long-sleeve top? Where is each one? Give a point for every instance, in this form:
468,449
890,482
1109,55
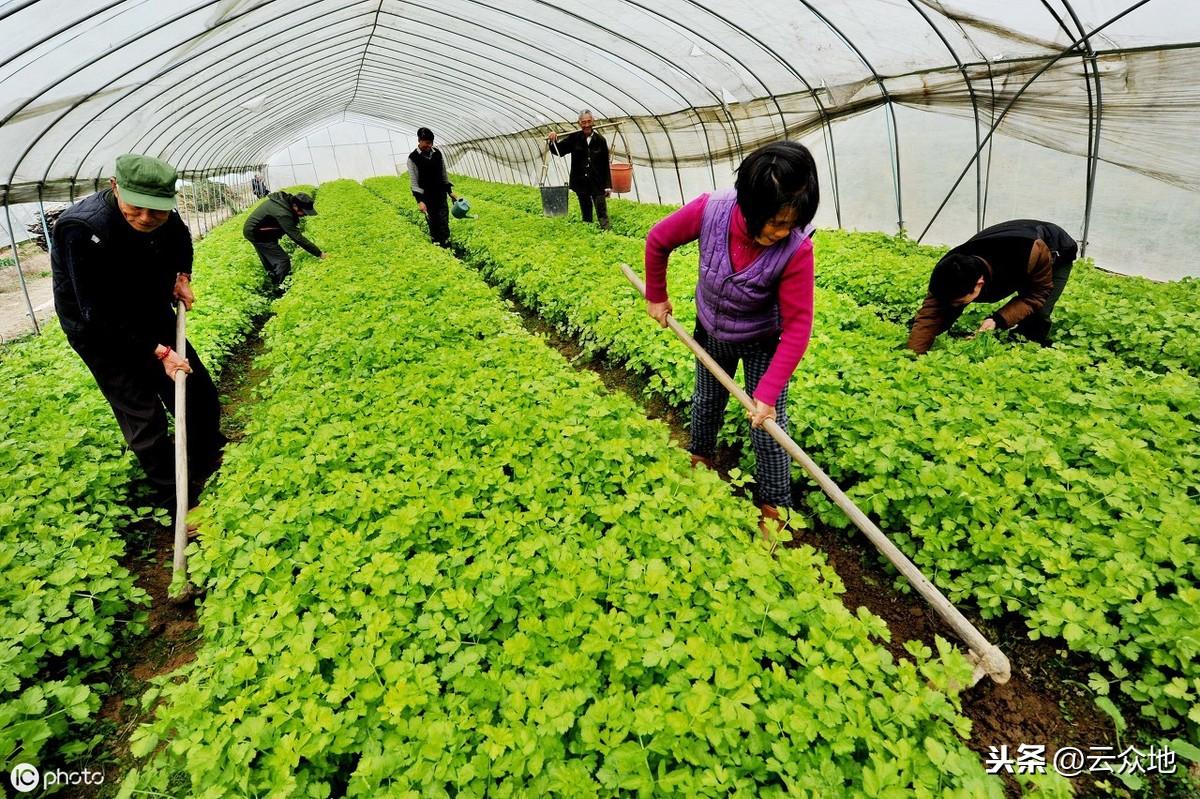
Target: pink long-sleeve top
795,286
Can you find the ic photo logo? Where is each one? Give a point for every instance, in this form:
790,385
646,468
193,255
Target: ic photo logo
25,778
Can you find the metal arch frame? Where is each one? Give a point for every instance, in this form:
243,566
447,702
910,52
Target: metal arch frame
149,137
534,156
974,109
263,5
8,118
342,61
8,12
559,58
826,124
1096,114
433,93
1091,105
34,45
172,95
1094,134
286,124
127,94
987,179
728,53
217,121
232,38
268,134
657,56
366,49
894,141
984,61
1051,61
544,109
483,99
388,46
531,46
573,37
198,86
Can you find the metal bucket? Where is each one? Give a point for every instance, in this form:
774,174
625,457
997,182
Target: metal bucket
554,200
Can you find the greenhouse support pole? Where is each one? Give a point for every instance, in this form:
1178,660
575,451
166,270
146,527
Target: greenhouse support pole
45,227
987,658
1094,124
20,275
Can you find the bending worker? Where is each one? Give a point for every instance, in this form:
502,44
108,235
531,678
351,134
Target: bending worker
121,258
1024,256
279,214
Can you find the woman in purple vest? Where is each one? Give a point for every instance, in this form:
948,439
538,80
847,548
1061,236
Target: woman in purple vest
754,298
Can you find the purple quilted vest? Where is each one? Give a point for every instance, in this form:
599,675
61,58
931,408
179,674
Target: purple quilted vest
739,306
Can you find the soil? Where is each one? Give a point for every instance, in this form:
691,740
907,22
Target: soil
14,312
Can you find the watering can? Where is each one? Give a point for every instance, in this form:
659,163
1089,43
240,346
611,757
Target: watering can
460,208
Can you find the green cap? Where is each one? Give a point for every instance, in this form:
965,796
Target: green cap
146,182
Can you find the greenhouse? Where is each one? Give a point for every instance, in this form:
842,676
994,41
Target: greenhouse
600,398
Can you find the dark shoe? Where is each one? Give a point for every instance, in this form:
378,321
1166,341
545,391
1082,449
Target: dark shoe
700,460
605,226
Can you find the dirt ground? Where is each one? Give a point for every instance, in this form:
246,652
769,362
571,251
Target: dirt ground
14,313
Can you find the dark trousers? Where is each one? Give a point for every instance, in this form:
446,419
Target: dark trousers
1036,326
439,219
141,395
586,201
274,259
772,465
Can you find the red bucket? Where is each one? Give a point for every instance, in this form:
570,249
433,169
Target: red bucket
622,177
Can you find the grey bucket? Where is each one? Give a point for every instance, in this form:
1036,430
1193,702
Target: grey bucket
554,200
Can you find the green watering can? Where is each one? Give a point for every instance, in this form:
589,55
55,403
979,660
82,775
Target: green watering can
460,208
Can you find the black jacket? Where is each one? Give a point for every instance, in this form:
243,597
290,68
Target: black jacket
589,163
427,176
113,286
273,218
1020,255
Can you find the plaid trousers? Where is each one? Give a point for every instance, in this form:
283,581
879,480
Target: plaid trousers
772,465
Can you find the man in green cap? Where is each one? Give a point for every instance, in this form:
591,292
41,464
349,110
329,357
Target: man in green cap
279,214
121,259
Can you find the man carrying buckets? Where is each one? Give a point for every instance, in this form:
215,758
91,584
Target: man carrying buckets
590,177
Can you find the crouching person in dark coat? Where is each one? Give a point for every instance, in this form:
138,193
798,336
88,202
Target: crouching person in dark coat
121,258
277,216
1024,257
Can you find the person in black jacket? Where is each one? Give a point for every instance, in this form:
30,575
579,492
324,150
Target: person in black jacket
590,179
431,185
120,260
1027,258
277,216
